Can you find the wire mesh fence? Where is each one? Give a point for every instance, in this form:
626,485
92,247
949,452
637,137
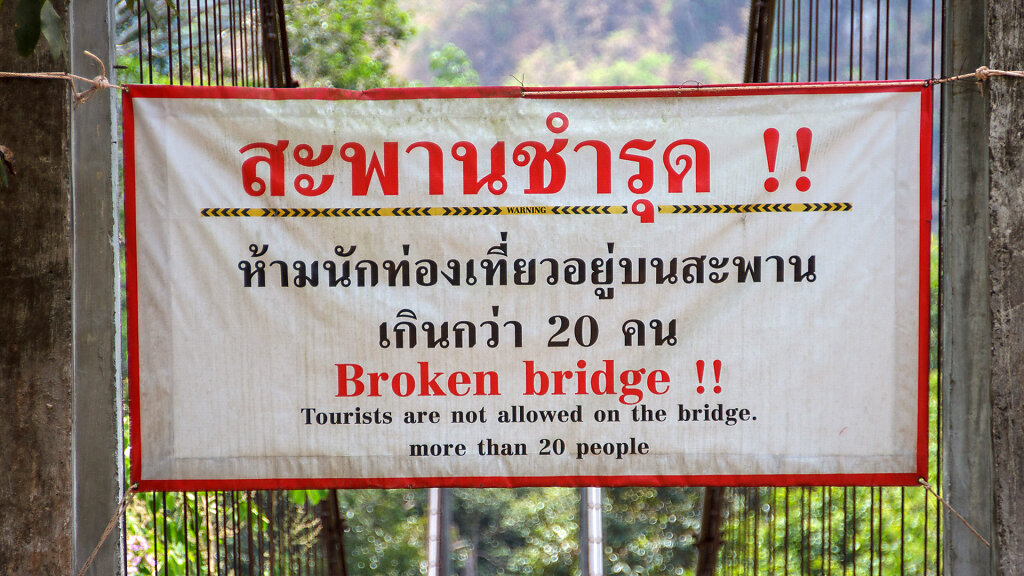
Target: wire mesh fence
203,42
763,530
832,40
842,530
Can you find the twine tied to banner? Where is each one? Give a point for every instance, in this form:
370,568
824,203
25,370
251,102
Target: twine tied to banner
930,489
95,84
981,75
125,501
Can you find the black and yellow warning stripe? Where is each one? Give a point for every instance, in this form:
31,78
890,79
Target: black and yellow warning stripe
754,208
519,210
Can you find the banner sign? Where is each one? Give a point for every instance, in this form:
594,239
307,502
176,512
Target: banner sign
510,287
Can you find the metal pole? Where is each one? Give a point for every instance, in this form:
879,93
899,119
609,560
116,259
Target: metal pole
759,41
438,527
710,533
595,536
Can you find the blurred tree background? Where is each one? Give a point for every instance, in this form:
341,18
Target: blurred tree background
345,43
581,42
373,43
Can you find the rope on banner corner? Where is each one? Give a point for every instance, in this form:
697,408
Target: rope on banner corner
96,83
125,501
931,490
980,75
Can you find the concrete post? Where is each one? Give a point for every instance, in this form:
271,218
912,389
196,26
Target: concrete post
36,477
96,446
1005,34
965,318
983,290
59,398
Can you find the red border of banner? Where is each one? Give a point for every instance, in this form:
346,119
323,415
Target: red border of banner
132,285
220,92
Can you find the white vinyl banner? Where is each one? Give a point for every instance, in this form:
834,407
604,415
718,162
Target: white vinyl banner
507,287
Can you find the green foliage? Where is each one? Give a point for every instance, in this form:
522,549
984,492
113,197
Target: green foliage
345,43
651,530
300,497
27,25
5,161
551,535
451,67
514,531
483,540
155,519
582,42
130,70
53,29
385,531
650,68
35,18
825,530
151,10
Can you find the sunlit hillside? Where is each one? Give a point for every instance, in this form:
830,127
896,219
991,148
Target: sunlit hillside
581,42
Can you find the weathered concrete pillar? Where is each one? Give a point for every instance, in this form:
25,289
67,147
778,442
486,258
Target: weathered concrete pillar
59,383
96,446
983,290
36,478
966,320
1006,272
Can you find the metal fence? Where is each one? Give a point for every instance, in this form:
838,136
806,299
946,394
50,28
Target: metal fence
850,40
841,530
793,530
204,42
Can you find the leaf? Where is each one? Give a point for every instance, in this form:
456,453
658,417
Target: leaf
6,165
27,25
151,10
298,497
301,497
53,29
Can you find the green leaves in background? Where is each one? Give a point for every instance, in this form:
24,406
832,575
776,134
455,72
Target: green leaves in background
53,29
151,11
27,25
6,166
451,67
345,43
301,497
33,18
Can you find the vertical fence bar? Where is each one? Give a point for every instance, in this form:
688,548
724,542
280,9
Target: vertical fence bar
191,46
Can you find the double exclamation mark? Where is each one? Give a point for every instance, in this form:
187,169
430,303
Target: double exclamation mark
717,367
771,150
